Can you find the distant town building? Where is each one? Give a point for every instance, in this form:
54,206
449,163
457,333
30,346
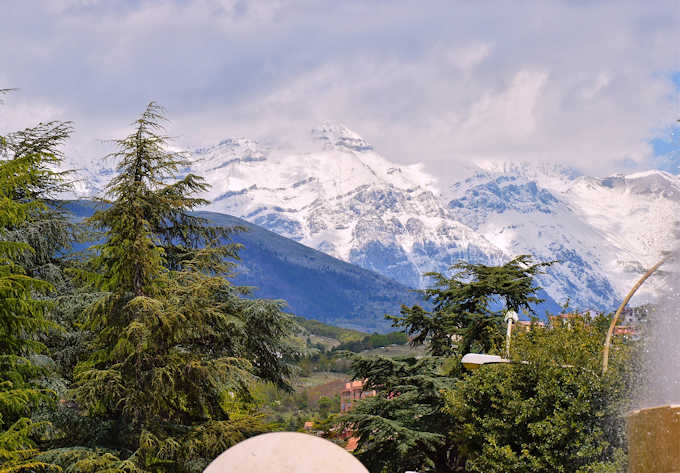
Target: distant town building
625,330
586,318
352,443
567,319
527,325
354,390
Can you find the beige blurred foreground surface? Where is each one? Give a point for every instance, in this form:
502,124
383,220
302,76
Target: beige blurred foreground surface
654,440
285,452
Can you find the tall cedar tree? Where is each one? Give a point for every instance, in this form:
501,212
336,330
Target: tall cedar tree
176,345
26,182
463,318
403,427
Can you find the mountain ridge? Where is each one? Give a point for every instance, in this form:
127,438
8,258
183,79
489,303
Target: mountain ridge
346,200
311,283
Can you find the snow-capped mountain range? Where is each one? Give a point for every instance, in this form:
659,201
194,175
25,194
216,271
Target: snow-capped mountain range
345,199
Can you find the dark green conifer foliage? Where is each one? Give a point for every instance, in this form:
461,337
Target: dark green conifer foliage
176,345
403,428
26,182
463,319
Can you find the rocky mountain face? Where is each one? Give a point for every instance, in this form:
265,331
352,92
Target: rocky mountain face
346,200
604,231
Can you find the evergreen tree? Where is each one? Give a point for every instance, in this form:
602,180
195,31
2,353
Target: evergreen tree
26,182
325,405
463,318
176,345
402,428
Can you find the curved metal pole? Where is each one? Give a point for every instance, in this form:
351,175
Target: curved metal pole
608,340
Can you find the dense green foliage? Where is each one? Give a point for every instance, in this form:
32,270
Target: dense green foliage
321,329
164,352
553,412
549,412
30,233
403,427
173,340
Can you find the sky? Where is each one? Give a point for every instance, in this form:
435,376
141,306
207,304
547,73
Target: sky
588,84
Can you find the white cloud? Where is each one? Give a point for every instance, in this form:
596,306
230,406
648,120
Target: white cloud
25,114
583,83
507,115
470,56
596,86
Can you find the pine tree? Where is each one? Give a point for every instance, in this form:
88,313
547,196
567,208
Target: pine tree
463,318
26,181
176,345
402,428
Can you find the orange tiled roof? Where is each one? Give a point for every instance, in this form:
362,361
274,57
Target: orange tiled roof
352,443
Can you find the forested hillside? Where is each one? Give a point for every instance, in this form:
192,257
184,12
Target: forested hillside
311,283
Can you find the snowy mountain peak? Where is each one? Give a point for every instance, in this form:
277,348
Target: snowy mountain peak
656,173
644,185
654,182
231,144
344,198
226,153
338,136
234,147
539,171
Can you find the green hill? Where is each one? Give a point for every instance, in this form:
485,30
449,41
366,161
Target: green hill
313,284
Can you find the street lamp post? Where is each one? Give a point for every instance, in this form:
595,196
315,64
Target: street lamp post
472,361
510,318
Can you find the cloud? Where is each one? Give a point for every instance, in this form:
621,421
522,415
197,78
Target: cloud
444,83
509,113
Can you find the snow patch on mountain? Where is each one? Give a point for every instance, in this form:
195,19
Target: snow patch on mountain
636,214
345,199
620,225
507,206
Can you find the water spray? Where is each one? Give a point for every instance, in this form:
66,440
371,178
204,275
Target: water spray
653,432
